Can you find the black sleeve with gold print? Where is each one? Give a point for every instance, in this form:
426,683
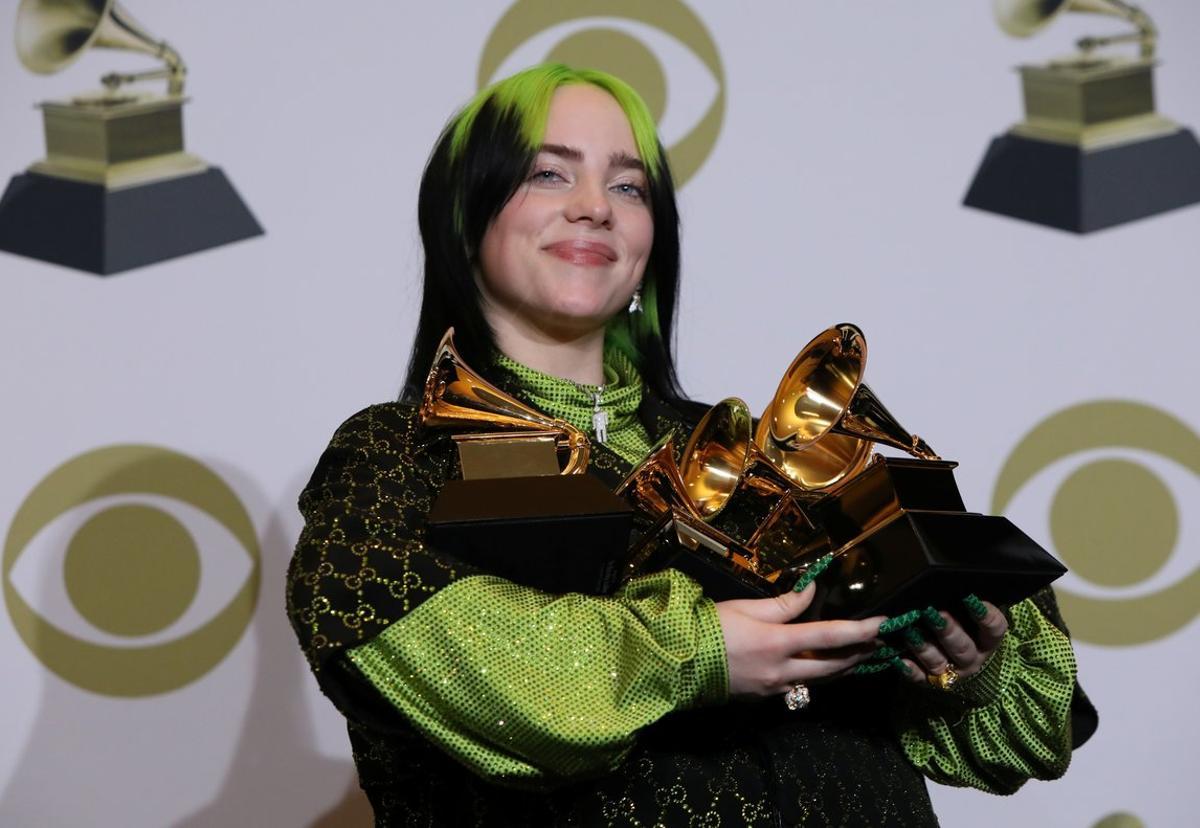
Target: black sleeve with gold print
361,562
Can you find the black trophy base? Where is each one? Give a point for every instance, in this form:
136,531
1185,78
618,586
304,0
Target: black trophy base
923,559
558,533
886,487
917,560
719,565
87,227
1082,191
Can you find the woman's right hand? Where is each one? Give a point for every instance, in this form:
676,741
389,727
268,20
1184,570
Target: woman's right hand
767,655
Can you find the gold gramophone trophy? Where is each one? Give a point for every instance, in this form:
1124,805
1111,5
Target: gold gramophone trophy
117,189
722,472
1091,152
522,509
896,528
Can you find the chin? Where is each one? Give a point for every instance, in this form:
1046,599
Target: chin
577,321
585,309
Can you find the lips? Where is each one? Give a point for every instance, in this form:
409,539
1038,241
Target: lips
582,252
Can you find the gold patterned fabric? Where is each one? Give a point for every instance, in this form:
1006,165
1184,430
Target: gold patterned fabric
361,562
386,621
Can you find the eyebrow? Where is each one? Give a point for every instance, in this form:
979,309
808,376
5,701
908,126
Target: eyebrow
619,159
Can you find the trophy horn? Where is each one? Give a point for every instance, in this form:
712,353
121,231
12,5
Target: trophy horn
721,459
656,489
52,34
655,486
1022,18
822,421
458,397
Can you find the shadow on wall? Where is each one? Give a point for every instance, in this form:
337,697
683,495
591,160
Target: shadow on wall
129,758
274,760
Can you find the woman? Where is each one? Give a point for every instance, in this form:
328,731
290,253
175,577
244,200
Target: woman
551,238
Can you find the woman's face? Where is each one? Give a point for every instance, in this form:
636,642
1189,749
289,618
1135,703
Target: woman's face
566,252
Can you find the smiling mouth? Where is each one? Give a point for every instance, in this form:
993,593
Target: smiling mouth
582,252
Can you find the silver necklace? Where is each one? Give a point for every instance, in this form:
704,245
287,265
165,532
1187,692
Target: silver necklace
599,415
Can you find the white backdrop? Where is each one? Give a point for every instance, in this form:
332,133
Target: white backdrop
849,136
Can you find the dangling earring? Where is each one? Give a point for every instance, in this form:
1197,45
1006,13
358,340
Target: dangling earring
635,301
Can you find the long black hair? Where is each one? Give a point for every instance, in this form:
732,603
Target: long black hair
480,160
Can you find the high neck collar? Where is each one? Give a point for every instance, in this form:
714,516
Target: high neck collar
577,403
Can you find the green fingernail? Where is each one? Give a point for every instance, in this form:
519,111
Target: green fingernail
975,606
884,653
933,618
901,666
867,668
812,573
913,637
899,622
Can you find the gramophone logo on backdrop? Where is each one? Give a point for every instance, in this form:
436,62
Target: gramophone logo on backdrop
1114,519
532,31
116,189
1092,151
118,570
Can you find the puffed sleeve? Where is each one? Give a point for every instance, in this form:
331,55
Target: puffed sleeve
1005,725
525,688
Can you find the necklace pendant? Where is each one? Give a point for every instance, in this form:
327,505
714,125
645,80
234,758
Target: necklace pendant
599,417
600,424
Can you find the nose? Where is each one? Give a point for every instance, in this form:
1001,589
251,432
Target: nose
588,201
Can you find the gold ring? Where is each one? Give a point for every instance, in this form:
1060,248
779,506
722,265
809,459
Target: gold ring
944,680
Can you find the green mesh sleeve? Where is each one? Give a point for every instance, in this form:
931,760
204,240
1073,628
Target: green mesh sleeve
1008,723
530,689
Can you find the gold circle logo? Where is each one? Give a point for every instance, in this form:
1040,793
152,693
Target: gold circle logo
620,53
1113,520
1121,819
130,570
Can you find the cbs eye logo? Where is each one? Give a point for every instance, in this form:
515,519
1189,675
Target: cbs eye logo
1112,471
634,40
118,566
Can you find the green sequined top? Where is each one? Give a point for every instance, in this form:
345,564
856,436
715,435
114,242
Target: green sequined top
620,397
471,700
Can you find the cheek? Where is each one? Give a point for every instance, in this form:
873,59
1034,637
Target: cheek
488,265
642,240
496,252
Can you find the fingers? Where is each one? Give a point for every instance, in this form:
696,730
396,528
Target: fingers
956,647
809,670
951,645
931,657
777,610
991,628
817,636
913,672
766,655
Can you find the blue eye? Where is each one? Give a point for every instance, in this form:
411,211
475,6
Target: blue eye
545,176
631,190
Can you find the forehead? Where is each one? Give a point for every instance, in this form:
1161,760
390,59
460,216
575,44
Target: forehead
587,117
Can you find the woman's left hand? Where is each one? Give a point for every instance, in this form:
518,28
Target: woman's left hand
954,647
